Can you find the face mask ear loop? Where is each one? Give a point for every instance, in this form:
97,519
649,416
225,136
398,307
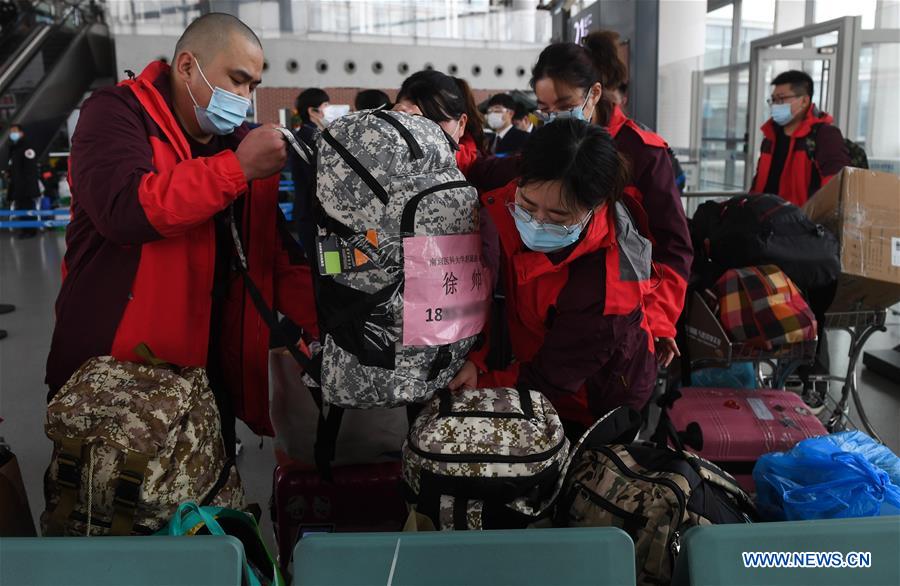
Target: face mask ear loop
190,93
584,103
200,69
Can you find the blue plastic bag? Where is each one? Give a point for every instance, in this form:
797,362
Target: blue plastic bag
841,475
739,375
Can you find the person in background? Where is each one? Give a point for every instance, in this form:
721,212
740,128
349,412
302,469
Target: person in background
159,166
437,97
522,118
310,106
50,179
474,121
449,102
574,81
506,138
787,166
577,325
371,99
22,172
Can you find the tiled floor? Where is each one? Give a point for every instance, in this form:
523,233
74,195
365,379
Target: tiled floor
30,277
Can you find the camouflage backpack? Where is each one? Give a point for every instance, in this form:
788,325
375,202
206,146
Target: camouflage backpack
130,443
398,248
653,494
484,459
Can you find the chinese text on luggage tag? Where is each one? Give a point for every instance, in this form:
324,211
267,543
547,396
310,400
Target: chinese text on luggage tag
447,292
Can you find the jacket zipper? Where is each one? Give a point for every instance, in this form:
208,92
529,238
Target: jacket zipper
674,541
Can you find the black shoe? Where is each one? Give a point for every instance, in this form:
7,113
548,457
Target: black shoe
3,334
6,308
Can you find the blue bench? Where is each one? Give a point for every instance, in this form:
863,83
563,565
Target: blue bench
558,557
715,554
117,561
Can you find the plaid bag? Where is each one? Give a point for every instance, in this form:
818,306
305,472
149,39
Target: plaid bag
762,306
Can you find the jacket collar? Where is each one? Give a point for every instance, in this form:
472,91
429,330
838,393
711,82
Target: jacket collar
813,116
151,88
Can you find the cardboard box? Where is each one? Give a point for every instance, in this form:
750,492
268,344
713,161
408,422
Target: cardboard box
862,208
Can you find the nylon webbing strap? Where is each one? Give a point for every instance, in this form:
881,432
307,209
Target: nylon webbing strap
460,513
326,440
265,312
128,492
68,479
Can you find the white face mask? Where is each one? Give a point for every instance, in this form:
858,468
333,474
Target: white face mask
495,120
332,112
456,135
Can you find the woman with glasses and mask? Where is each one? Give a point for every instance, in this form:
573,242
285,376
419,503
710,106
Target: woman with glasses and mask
575,271
574,81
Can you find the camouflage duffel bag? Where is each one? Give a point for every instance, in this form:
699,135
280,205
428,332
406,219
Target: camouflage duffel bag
130,443
653,494
484,458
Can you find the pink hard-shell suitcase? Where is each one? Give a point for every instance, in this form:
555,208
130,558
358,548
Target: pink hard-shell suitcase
734,427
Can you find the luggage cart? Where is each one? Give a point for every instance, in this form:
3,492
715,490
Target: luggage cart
860,325
709,345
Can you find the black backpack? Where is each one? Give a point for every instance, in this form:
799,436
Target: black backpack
857,154
858,157
752,230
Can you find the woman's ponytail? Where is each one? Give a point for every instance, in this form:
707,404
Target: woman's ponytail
603,49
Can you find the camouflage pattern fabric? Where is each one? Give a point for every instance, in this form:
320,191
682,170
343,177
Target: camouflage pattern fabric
115,408
485,433
400,171
643,502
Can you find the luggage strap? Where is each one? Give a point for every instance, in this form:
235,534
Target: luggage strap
310,366
70,452
328,426
128,492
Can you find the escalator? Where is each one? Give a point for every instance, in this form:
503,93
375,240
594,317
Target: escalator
54,55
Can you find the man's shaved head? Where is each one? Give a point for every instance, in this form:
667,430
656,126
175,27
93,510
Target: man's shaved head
217,51
211,34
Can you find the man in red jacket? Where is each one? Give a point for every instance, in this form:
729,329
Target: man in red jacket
159,165
801,149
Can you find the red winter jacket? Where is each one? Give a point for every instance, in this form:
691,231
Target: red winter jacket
801,176
576,320
655,202
141,247
467,153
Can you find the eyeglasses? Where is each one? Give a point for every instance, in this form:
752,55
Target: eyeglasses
523,215
546,115
781,99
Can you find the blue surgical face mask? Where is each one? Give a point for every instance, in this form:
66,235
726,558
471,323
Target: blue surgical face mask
781,114
15,136
577,113
225,111
545,237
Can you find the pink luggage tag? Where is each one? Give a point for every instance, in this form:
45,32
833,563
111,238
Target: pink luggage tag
447,290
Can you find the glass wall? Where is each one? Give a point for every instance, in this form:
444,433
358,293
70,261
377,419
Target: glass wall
719,24
403,21
724,129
